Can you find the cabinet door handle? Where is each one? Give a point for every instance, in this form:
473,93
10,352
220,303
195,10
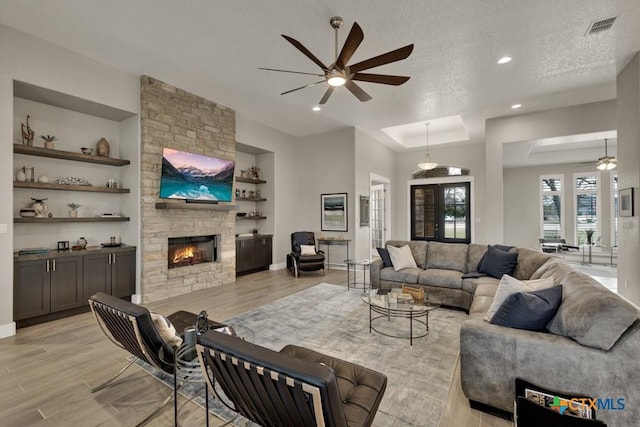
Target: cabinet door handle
109,259
53,263
113,258
48,266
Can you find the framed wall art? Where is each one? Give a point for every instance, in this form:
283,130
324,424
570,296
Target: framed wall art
334,212
625,200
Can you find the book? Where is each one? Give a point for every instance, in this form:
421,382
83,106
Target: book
558,404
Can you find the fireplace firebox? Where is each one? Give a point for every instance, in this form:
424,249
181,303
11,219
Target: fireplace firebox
186,251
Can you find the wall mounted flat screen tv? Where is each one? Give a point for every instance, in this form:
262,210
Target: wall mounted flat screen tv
188,176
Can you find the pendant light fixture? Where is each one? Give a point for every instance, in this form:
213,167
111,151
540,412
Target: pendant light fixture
427,164
607,162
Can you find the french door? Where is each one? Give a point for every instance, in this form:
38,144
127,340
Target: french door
377,219
441,212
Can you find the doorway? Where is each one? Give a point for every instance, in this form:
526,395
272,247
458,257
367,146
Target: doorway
441,212
378,213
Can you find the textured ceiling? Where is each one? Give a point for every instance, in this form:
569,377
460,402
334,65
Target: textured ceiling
214,48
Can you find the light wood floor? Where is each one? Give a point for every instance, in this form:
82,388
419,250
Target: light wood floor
47,371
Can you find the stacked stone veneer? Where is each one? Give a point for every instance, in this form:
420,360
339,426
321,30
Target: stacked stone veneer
173,118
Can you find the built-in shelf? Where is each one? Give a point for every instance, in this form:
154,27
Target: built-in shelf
250,180
32,220
51,186
251,217
30,150
251,199
196,206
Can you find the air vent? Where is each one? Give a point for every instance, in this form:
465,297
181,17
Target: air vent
601,25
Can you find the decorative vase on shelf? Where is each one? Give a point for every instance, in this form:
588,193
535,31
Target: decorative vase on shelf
102,148
21,176
39,207
73,213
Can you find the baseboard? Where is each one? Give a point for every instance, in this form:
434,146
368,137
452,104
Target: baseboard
278,266
136,299
8,329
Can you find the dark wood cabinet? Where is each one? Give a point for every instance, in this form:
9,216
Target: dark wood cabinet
47,286
253,254
56,285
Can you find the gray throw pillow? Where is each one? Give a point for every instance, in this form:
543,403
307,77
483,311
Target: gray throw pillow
529,310
497,263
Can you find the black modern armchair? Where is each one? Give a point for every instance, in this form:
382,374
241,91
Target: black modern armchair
304,254
293,387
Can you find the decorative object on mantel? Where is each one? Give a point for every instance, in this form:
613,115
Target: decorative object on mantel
48,141
86,150
427,164
27,133
63,246
39,207
50,214
21,176
72,180
74,209
102,148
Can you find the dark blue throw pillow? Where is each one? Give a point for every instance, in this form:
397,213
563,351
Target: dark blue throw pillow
497,263
386,259
529,310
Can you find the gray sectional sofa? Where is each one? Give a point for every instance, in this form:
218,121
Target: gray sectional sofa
592,345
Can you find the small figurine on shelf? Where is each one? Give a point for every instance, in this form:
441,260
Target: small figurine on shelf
27,133
255,172
48,141
73,213
102,148
82,243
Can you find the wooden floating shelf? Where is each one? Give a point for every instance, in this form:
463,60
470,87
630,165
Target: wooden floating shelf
51,186
196,206
250,180
251,199
30,150
32,220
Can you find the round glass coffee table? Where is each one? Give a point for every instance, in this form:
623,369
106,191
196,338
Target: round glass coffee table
394,305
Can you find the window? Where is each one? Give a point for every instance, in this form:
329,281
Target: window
587,187
551,205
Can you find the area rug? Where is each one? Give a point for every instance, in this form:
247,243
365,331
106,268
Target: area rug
332,320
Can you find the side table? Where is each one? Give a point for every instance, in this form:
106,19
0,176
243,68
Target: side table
333,242
364,265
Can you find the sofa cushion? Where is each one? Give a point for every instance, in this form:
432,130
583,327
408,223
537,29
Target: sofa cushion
384,256
497,263
418,250
528,262
401,257
407,275
441,278
590,313
475,252
554,268
529,310
479,306
510,285
470,285
448,256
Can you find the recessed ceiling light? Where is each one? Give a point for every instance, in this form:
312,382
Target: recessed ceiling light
516,106
316,108
504,60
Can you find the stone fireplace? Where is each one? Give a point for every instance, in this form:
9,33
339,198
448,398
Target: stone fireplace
173,118
187,251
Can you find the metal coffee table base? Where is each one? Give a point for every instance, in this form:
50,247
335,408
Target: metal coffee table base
388,313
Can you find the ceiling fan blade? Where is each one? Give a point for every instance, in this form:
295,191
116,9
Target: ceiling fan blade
326,95
380,78
354,39
306,51
385,58
302,87
288,71
357,91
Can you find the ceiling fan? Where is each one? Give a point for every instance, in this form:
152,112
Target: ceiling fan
605,163
340,74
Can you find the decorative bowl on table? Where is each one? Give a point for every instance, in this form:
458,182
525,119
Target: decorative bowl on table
86,150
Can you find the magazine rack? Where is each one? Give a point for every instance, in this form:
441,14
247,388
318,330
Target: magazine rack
531,414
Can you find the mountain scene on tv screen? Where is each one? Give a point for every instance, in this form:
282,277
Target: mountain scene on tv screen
194,177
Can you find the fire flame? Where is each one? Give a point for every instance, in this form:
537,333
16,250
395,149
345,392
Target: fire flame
182,254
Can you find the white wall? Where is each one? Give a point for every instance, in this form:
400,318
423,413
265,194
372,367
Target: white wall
469,156
281,192
371,157
522,203
574,120
40,63
628,113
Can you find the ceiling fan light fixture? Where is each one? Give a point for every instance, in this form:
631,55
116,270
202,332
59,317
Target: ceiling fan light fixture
606,164
336,79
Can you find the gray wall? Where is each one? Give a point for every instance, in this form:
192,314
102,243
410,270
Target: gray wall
628,113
